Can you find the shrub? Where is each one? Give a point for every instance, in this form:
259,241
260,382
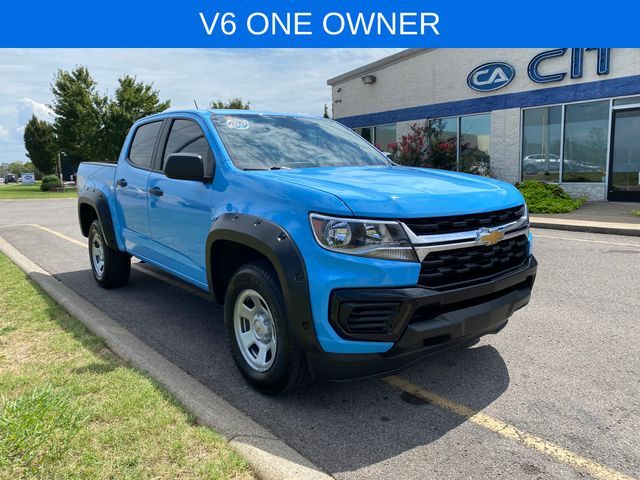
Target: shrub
50,182
544,197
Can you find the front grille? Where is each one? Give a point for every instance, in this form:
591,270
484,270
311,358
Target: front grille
451,268
464,223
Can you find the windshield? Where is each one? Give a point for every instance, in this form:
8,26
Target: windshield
274,141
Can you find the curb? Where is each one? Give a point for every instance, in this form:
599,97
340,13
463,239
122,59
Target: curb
627,229
269,456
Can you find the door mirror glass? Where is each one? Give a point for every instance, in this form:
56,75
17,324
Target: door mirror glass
184,166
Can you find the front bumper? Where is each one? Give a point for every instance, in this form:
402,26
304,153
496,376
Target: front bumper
420,321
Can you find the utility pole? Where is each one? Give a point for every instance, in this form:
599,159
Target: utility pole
59,168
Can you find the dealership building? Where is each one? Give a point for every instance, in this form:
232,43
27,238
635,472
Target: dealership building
568,115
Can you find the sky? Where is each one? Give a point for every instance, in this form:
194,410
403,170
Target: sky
290,80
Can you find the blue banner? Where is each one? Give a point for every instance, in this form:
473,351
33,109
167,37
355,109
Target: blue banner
319,23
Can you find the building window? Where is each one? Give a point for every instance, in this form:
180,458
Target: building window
384,136
586,131
443,140
365,132
475,140
627,101
541,138
461,143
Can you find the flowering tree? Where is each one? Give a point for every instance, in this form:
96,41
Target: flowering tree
430,146
426,146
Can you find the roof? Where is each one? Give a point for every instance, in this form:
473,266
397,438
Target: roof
378,64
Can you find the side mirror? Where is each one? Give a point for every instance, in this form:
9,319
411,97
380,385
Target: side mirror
184,166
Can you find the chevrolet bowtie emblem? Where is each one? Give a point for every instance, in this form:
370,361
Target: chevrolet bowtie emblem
489,237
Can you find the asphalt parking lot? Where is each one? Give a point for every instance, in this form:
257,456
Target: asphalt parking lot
558,389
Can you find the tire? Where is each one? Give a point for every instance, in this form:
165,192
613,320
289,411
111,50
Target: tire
264,328
111,268
530,169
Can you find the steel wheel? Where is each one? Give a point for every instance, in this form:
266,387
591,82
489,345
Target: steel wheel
97,255
255,330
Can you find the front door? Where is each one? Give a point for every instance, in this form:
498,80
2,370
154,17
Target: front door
624,170
180,210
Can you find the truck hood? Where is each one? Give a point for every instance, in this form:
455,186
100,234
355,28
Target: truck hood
396,192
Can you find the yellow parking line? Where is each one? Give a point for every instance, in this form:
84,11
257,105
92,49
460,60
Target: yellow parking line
61,235
558,453
151,273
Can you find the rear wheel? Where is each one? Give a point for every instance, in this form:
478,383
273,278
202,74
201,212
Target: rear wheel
258,333
110,268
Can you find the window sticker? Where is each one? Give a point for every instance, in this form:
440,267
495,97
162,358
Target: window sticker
237,123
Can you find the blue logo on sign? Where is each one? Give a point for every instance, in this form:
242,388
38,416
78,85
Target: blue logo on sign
491,76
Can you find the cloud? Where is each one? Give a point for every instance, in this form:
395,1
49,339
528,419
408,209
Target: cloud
290,80
4,133
28,107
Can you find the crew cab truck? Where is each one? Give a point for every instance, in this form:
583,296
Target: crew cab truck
332,262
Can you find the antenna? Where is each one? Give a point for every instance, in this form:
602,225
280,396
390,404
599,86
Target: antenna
195,103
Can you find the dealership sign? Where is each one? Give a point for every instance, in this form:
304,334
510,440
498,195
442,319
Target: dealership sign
495,75
491,76
28,178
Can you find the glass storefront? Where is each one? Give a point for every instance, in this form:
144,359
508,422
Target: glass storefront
384,137
586,131
541,139
475,140
566,143
461,143
365,132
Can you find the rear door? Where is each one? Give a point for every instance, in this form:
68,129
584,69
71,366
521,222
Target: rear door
131,187
180,210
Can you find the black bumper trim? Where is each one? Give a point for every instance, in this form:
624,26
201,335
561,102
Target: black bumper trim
429,321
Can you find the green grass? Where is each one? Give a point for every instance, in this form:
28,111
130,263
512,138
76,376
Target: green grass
635,213
17,191
547,198
69,408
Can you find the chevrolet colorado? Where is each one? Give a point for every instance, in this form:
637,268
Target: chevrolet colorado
331,261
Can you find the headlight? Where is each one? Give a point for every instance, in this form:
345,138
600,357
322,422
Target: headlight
367,238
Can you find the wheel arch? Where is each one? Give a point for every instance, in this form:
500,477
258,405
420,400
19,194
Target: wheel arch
93,205
235,239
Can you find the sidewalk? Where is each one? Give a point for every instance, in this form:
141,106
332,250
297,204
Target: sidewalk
595,217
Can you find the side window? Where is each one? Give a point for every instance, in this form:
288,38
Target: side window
186,136
141,151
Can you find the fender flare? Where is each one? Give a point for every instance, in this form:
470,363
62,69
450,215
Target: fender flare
98,201
273,242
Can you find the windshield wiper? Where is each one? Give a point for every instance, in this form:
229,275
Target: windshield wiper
270,168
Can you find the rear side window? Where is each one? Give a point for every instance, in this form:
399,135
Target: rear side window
141,152
186,136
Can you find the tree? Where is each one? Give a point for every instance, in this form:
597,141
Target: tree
326,111
232,104
41,146
79,113
132,101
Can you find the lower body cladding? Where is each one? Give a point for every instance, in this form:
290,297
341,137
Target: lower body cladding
419,321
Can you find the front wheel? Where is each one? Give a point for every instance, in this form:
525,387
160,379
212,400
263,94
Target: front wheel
110,268
257,331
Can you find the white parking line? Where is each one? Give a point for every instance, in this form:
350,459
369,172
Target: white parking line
637,245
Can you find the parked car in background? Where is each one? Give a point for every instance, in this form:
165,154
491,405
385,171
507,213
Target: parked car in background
330,260
540,163
10,178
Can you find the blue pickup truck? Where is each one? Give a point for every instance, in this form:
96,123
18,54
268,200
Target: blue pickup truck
332,262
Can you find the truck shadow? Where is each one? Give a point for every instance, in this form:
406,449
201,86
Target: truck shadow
339,427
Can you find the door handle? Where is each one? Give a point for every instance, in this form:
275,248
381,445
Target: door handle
156,191
121,183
